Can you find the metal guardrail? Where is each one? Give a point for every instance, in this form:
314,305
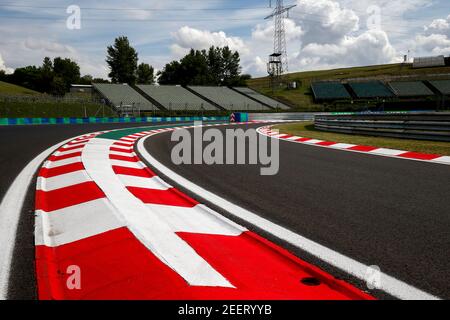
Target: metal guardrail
282,116
423,126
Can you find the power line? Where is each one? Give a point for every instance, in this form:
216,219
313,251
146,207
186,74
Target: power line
12,5
127,20
133,9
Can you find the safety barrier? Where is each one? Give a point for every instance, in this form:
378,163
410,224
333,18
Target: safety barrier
282,116
424,126
93,120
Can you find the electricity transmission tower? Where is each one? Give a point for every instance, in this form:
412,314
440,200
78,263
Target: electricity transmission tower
278,60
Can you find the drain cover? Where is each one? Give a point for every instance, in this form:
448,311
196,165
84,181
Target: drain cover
312,282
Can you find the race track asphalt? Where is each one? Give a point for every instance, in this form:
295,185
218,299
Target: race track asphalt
20,145
381,211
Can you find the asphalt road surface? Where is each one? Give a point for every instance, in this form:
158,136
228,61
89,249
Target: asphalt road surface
20,145
381,211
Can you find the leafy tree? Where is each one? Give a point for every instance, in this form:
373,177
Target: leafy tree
46,76
217,66
51,77
58,87
86,79
29,77
100,80
194,69
170,74
230,65
67,70
3,76
122,60
145,74
241,81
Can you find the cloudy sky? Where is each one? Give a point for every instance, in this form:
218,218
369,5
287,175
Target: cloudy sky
320,33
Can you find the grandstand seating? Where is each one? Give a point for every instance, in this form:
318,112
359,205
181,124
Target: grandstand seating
410,89
261,98
371,89
329,91
229,99
443,86
176,98
123,95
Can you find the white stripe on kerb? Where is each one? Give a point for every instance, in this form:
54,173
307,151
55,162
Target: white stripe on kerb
387,152
10,209
127,164
62,181
199,219
124,154
444,160
342,146
64,153
145,223
389,284
154,183
60,163
75,223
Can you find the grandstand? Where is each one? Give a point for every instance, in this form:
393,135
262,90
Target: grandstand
329,91
228,99
122,95
261,98
176,98
370,90
443,86
410,89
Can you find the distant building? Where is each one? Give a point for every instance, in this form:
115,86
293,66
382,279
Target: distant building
80,88
429,62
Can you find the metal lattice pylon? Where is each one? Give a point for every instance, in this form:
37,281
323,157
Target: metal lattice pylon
280,64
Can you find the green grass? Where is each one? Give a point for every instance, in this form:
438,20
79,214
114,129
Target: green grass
22,109
307,130
12,89
302,99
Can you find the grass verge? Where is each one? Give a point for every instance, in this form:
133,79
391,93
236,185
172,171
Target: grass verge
12,89
52,110
307,130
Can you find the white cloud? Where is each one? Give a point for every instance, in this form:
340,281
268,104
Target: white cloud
436,38
324,21
371,47
3,66
320,33
187,38
47,46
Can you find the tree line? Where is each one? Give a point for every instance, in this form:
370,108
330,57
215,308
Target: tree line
216,67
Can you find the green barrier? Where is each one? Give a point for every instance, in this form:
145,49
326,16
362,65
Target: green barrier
92,120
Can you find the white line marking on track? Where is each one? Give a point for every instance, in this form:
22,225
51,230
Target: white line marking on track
75,223
60,163
145,223
389,284
10,209
62,181
445,160
154,183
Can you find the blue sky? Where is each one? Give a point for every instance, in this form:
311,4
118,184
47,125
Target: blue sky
320,33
